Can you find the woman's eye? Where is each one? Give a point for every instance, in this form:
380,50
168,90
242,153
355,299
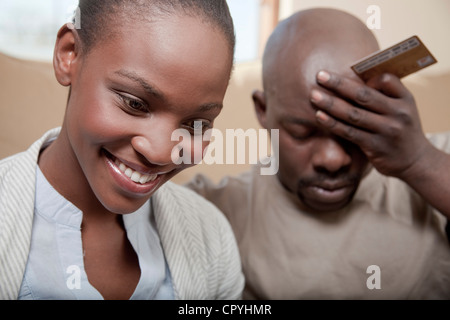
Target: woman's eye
134,104
199,125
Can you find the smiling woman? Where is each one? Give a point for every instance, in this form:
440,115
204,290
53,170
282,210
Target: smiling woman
95,193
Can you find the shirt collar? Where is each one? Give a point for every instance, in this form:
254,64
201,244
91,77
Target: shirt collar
50,204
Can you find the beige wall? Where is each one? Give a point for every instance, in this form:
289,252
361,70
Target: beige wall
400,19
31,101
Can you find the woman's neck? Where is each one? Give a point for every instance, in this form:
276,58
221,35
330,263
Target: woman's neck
60,167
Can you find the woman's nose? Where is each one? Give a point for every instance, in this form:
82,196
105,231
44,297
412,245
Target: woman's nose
163,146
156,149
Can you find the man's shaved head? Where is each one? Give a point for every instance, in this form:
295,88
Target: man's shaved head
300,47
312,40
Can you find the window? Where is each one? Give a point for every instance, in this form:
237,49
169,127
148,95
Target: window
246,22
28,28
254,21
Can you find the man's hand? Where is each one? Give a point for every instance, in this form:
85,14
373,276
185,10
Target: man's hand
380,117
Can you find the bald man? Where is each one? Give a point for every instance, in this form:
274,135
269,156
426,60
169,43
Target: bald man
358,208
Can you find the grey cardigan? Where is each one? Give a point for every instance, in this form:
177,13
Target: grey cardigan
196,238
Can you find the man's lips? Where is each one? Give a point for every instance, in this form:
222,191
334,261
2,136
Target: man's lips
328,192
332,186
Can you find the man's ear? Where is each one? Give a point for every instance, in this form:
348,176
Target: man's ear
259,101
65,54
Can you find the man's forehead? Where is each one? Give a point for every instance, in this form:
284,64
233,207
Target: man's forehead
290,95
328,57
297,77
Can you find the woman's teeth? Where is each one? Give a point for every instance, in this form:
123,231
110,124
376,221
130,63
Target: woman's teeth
134,175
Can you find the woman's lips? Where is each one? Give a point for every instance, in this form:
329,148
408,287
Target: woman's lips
135,175
131,180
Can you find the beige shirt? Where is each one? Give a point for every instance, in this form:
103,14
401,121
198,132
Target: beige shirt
386,244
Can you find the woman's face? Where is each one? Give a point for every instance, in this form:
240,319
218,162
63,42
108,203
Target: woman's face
130,93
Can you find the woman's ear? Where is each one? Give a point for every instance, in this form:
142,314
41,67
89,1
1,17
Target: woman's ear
259,101
65,54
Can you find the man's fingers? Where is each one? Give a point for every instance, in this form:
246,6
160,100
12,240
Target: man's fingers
344,111
354,91
347,132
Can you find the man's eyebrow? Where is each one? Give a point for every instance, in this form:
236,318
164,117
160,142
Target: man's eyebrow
299,121
136,78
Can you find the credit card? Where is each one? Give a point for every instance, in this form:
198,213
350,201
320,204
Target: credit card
401,59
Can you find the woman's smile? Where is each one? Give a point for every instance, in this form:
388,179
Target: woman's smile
133,178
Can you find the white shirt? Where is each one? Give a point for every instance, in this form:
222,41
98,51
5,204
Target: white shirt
55,267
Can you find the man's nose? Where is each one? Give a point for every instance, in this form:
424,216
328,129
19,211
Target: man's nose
330,155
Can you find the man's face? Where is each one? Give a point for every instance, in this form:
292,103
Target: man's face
323,170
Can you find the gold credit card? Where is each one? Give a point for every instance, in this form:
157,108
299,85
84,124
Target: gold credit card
401,60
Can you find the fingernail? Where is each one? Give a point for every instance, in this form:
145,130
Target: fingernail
323,76
316,96
321,116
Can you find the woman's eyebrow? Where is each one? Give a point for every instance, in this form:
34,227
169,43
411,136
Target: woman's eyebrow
136,78
157,93
210,106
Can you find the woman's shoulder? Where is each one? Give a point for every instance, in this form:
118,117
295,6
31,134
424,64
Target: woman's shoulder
187,200
181,208
7,165
195,233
